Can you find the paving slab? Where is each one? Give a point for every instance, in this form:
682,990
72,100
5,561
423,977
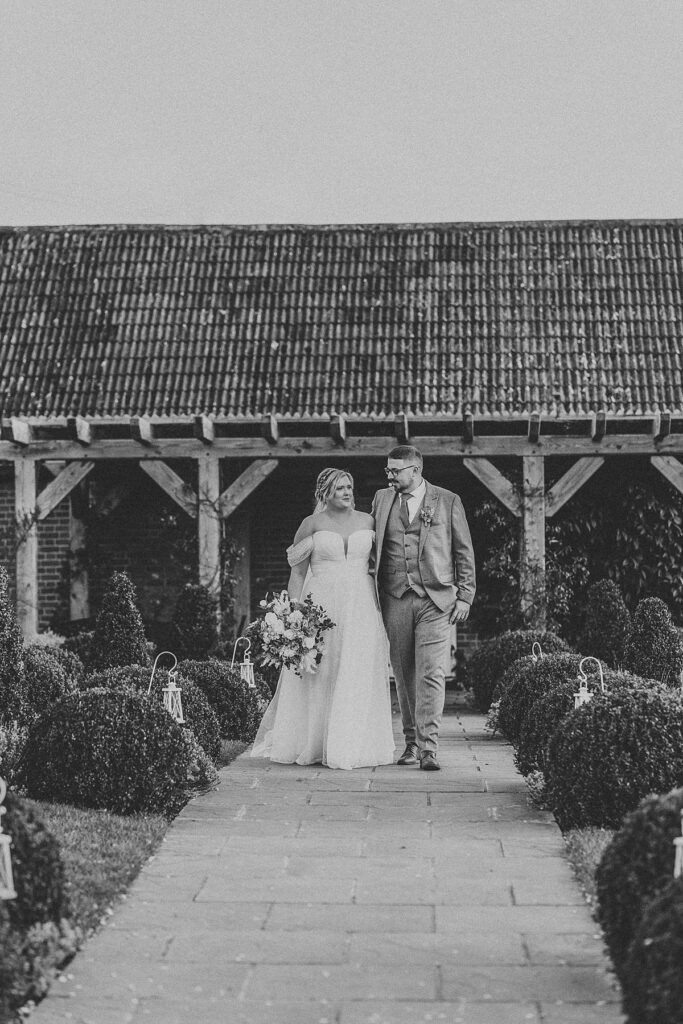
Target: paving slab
378,896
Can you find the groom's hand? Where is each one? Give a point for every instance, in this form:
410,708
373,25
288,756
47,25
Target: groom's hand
460,612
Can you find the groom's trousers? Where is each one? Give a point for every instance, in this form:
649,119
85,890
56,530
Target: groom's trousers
419,644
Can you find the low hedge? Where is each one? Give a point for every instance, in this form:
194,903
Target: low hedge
653,980
45,681
198,714
634,868
102,748
526,681
238,707
37,864
494,657
607,755
545,714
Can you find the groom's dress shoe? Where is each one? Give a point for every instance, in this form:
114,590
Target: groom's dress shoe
409,755
428,761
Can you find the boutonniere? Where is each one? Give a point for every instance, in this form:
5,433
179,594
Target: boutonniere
427,514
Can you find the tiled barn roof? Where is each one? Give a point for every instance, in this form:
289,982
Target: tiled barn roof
495,319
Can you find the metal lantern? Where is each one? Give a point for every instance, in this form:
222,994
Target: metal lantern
536,652
678,862
246,665
584,694
7,890
172,693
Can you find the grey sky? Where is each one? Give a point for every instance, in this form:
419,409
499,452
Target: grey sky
329,111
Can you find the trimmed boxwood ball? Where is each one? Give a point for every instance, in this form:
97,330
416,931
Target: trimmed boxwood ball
525,682
494,657
198,714
546,712
606,624
111,749
606,756
653,980
69,662
238,707
634,868
37,866
655,647
45,681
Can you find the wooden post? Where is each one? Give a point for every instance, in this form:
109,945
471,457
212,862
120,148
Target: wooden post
79,582
27,546
532,542
209,524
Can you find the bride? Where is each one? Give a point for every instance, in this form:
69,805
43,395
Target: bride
340,715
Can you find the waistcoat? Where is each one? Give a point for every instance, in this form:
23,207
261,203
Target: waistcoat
399,569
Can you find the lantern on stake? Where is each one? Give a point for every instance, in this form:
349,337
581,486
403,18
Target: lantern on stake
246,665
584,694
172,693
678,862
7,890
536,652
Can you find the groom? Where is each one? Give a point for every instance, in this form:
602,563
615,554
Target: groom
425,581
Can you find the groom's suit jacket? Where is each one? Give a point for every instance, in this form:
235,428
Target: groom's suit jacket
445,554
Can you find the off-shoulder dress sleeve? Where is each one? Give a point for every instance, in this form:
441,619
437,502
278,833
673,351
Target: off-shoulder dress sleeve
297,553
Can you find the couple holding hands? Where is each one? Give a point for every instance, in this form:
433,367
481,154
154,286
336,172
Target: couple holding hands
407,569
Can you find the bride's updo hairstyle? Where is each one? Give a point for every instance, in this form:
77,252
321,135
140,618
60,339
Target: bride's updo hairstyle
326,484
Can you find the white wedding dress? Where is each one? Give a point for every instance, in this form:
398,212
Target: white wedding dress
340,715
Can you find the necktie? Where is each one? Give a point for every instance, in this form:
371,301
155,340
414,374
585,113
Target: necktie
405,518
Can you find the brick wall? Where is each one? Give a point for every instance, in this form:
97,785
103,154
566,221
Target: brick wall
53,566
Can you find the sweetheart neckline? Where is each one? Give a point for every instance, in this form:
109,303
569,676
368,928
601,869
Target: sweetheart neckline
345,541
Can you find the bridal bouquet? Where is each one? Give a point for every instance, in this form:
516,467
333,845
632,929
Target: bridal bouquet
292,637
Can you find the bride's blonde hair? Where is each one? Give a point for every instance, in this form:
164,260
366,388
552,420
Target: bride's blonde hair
326,485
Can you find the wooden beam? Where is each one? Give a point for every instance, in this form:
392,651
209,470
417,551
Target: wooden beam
663,427
27,546
338,428
80,430
402,428
499,485
569,484
240,530
203,429
21,431
532,543
79,579
209,528
247,482
174,485
671,468
599,426
270,429
141,430
61,486
468,428
534,427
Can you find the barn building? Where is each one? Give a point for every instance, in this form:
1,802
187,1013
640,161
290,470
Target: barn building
169,394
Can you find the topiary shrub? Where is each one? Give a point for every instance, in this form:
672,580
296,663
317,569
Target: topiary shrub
653,980
82,645
610,753
526,681
654,648
238,707
119,634
38,869
198,714
11,653
45,681
13,735
606,624
493,658
110,749
195,629
545,714
634,868
69,662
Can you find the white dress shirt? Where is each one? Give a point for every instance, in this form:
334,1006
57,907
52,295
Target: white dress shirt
414,499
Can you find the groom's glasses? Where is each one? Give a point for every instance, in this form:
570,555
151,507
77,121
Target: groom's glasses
395,472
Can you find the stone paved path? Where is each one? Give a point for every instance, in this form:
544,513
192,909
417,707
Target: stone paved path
380,896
